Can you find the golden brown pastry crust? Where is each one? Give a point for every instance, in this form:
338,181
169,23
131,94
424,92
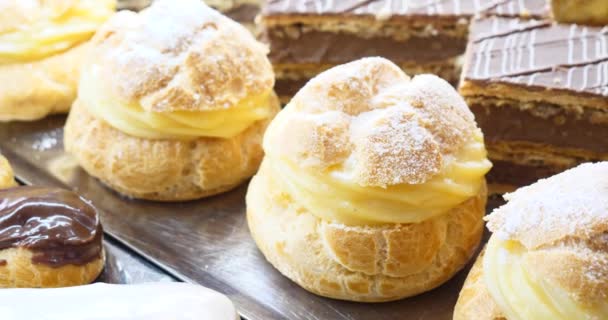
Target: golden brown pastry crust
394,131
201,61
164,170
20,272
31,91
365,263
474,301
562,222
7,178
180,56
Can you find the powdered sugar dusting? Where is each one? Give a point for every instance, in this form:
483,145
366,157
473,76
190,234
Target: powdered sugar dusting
573,203
180,55
393,148
400,130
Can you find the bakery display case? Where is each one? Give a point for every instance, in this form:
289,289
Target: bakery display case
304,159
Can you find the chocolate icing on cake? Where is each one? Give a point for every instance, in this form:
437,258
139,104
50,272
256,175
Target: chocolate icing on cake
376,7
540,55
396,8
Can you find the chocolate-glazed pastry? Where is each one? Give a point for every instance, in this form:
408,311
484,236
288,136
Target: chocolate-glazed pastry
539,91
307,37
48,238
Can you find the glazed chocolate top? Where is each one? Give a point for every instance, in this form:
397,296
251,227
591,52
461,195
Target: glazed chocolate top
57,225
539,54
396,8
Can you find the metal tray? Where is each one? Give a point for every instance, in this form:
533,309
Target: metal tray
205,242
125,267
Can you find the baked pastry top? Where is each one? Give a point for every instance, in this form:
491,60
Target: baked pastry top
394,149
548,256
151,77
6,174
33,30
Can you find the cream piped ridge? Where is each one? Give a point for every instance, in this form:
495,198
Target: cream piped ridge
132,119
334,196
548,254
362,144
36,31
523,295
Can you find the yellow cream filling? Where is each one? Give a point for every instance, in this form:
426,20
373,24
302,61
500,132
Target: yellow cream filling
521,295
54,32
132,119
334,195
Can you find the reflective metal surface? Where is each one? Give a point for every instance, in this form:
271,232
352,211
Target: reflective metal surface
125,267
205,241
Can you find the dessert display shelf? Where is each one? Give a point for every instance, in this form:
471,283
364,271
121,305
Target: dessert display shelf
205,241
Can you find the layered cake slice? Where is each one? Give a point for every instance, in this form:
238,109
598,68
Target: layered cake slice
425,36
539,92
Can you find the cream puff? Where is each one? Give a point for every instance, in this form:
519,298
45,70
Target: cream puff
7,178
548,255
42,44
172,104
373,184
149,301
48,238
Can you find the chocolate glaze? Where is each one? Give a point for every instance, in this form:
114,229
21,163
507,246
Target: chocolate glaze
544,123
372,7
539,55
336,48
401,8
60,227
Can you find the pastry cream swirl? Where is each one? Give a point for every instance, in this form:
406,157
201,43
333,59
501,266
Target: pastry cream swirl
334,196
132,119
53,32
521,295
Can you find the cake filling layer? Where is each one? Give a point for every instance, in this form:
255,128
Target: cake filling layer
521,294
287,87
51,29
513,174
338,48
333,195
132,119
546,124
